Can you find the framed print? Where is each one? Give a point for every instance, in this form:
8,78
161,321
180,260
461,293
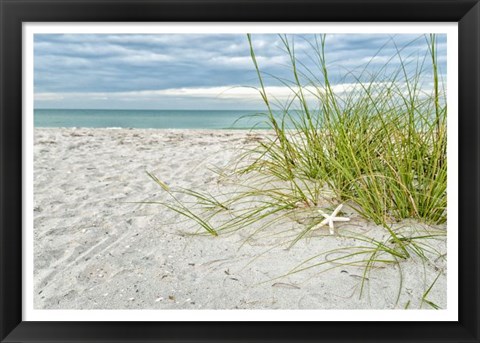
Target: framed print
239,171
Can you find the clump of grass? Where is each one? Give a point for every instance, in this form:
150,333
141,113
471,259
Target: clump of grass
378,144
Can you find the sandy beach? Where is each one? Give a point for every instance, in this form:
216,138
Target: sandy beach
96,247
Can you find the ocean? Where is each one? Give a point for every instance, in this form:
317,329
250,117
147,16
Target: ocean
152,119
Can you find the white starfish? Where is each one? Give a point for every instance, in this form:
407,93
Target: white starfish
329,219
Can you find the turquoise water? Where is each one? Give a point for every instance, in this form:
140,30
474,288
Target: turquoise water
152,119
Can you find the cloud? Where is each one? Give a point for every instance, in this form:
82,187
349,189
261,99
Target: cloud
107,67
221,97
48,97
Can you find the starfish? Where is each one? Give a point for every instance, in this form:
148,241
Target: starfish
329,219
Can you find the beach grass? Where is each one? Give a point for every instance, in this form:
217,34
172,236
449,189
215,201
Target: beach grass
377,145
380,145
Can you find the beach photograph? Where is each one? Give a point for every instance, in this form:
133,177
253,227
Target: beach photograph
240,171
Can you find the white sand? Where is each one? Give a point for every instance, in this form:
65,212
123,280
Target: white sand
94,250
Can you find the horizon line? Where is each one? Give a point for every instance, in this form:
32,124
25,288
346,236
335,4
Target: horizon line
147,109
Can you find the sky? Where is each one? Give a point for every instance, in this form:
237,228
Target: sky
204,71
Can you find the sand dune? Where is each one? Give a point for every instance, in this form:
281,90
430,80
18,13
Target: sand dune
95,248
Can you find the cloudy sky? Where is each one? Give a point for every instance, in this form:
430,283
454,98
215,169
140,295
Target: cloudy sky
206,71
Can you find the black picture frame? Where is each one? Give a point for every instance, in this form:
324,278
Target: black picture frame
15,12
